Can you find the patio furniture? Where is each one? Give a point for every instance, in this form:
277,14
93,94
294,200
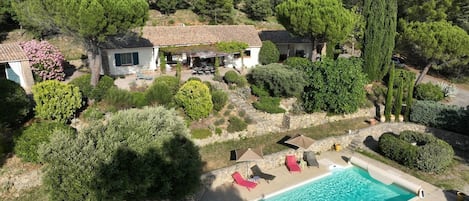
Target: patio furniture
310,159
256,171
238,179
290,162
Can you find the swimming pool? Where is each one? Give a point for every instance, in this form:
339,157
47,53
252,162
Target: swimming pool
351,184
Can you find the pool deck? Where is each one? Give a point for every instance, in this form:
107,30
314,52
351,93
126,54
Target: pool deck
284,180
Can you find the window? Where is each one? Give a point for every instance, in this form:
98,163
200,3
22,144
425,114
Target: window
247,53
126,59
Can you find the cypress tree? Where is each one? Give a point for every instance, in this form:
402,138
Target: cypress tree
162,63
400,94
378,40
388,107
410,93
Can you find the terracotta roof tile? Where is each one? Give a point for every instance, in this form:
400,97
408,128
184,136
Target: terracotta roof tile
206,34
12,52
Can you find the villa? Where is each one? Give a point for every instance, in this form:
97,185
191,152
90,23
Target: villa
14,65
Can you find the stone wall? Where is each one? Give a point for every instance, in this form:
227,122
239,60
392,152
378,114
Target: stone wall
223,175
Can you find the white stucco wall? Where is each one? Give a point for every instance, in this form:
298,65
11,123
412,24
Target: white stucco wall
16,67
145,56
249,61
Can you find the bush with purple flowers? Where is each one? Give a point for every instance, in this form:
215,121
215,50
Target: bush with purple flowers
46,60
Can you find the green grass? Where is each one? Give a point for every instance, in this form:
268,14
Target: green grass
453,178
217,155
201,133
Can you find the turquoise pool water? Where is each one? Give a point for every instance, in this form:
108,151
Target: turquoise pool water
345,184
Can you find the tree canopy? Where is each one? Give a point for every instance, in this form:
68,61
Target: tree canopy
217,11
258,9
320,20
129,158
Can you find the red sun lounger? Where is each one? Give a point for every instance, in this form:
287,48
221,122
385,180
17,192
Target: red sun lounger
290,162
243,182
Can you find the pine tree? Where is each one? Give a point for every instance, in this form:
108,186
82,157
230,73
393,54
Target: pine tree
381,17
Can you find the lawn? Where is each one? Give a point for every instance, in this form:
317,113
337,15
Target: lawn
217,155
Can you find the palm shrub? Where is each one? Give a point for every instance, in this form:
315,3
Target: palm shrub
429,91
219,99
28,140
277,80
137,146
15,104
194,97
56,101
269,53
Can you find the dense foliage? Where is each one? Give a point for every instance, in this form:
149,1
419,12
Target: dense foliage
269,53
381,20
277,80
46,60
429,153
269,105
319,20
299,63
258,9
138,155
438,115
35,135
429,92
15,104
56,101
232,77
236,124
162,90
194,97
215,11
389,94
219,99
124,99
335,86
94,93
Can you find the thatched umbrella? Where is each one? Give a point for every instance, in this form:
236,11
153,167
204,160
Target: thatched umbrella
300,141
248,155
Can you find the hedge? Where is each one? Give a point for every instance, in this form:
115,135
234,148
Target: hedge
429,91
428,154
278,80
438,115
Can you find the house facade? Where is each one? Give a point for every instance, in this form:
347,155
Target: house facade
184,44
15,66
288,44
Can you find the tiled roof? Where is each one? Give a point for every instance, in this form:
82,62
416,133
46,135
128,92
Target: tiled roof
12,52
282,36
196,35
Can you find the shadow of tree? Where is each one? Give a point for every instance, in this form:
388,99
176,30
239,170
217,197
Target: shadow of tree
371,143
171,171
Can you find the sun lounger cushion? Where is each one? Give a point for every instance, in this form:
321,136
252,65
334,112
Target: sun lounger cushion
238,179
290,162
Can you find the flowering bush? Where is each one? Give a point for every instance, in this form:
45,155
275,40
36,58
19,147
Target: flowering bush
46,60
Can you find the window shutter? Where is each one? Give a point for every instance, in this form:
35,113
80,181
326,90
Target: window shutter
135,58
118,59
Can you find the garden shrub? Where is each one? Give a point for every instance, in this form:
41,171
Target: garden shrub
195,99
241,81
269,105
241,113
269,53
231,77
219,99
335,86
428,154
209,85
438,115
201,133
299,63
227,113
236,124
92,114
162,90
218,131
56,101
219,122
258,91
429,91
248,120
231,106
87,90
138,99
15,104
194,78
277,80
28,141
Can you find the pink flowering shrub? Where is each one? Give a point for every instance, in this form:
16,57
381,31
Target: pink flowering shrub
46,60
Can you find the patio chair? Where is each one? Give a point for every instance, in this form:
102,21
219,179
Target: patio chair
310,159
238,179
292,165
256,171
